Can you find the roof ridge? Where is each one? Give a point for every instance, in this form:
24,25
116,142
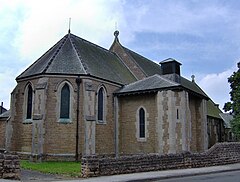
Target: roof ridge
106,50
141,80
78,54
55,54
170,81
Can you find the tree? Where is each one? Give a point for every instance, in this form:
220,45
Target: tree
234,105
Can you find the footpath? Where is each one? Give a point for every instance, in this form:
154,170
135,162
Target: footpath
158,175
133,177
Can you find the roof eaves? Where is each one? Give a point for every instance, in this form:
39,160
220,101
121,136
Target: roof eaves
195,93
145,91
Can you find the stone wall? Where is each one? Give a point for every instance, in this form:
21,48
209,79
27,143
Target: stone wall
2,132
9,166
219,154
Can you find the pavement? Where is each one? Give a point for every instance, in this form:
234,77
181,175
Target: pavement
133,177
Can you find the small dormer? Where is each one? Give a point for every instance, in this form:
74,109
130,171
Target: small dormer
171,69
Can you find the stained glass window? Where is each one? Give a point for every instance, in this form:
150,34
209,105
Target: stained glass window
65,102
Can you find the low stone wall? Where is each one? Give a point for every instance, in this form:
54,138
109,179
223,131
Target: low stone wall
219,154
9,166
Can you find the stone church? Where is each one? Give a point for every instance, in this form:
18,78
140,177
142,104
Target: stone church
81,99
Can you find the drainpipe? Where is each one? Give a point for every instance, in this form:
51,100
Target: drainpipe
78,81
116,141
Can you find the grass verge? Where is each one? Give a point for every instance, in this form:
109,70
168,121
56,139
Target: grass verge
72,169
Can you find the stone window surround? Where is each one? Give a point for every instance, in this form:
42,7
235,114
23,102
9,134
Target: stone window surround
25,101
104,121
146,125
58,105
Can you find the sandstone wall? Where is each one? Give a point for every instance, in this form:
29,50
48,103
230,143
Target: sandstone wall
219,154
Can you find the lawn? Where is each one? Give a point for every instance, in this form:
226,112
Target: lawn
72,169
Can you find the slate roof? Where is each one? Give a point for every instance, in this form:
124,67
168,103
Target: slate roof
155,82
148,67
213,110
2,109
193,87
6,114
227,119
73,55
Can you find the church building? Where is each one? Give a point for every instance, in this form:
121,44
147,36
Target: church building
81,99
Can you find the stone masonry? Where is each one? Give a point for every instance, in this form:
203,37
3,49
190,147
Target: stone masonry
9,166
219,154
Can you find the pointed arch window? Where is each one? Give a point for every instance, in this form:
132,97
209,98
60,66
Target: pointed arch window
101,105
65,102
29,102
141,123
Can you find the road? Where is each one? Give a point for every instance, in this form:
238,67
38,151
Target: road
217,177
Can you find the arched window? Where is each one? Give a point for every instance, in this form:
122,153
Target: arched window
29,102
101,105
141,123
65,102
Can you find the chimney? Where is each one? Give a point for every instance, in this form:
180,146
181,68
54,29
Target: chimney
171,69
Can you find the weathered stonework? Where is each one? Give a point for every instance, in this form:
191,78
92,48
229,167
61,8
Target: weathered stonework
9,166
219,154
45,135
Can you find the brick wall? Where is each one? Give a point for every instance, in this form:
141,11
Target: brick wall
129,142
219,154
57,138
128,60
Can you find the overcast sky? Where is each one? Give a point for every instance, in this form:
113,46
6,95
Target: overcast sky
201,34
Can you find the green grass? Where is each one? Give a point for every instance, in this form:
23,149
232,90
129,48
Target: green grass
72,169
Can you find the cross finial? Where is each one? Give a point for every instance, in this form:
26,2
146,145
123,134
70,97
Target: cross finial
116,33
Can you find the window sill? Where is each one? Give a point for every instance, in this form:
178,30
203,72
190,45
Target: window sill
142,139
100,122
64,121
27,121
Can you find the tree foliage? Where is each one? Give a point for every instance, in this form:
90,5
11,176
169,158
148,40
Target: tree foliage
234,105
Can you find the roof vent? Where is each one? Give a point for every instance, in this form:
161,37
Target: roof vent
171,69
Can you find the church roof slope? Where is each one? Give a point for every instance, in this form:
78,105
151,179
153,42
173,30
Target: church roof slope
213,110
192,86
155,82
73,55
149,67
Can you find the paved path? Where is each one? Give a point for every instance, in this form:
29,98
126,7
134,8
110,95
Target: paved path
31,176
157,175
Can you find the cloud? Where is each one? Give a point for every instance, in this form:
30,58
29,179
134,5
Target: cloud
47,21
216,86
193,32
